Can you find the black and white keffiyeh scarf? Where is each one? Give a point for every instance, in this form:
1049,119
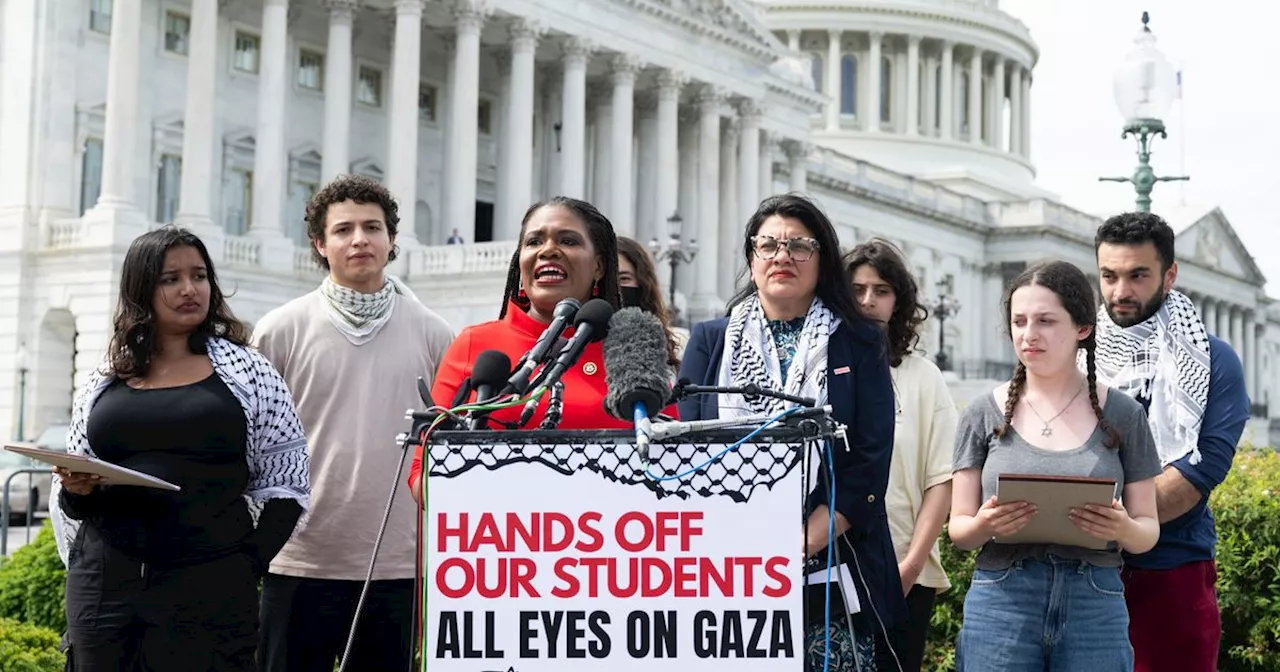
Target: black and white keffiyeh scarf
1164,360
750,356
360,316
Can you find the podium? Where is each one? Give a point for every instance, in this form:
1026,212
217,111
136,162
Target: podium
563,551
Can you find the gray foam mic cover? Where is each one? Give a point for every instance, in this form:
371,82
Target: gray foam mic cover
635,363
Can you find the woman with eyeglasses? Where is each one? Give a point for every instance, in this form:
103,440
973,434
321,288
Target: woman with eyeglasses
794,328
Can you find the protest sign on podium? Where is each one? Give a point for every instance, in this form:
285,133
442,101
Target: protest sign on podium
562,551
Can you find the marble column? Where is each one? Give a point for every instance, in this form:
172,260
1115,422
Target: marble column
1015,110
831,73
1251,359
402,126
798,164
975,97
767,146
874,70
469,18
601,147
269,158
622,136
688,198
793,40
449,41
913,85
647,175
749,114
517,136
124,76
1210,316
195,205
1224,322
946,112
573,119
1237,331
1026,114
997,113
729,229
338,66
669,170
710,109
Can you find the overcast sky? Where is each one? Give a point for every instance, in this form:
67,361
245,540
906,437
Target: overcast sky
1227,126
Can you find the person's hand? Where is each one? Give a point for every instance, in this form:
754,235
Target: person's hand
77,483
1102,522
998,520
909,574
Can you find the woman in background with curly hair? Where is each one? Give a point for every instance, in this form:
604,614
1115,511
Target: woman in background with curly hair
919,494
640,288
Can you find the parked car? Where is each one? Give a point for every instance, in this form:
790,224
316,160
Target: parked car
30,492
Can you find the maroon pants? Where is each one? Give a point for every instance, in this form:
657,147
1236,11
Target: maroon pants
1174,622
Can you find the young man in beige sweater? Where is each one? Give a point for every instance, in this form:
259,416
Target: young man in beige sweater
351,352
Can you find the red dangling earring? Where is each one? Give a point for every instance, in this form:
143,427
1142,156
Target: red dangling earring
595,289
522,296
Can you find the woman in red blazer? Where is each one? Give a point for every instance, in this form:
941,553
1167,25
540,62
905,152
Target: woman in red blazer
567,248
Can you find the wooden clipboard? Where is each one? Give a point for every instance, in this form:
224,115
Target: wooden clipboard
1054,497
111,474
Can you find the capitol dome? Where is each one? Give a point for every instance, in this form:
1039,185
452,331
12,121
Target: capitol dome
950,95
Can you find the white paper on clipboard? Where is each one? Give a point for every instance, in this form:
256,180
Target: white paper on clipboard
111,474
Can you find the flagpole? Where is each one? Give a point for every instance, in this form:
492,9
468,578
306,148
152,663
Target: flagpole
1182,142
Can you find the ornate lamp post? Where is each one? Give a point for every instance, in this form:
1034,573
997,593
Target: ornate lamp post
943,306
1145,86
22,391
676,252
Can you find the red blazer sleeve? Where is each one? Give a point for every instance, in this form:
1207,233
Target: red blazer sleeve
454,367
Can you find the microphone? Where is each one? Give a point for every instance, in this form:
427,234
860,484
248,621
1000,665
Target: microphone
555,407
489,373
564,313
685,388
531,406
635,371
591,324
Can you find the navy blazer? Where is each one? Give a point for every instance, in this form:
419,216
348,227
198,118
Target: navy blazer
860,393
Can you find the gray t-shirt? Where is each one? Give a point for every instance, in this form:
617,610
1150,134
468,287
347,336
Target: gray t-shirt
977,447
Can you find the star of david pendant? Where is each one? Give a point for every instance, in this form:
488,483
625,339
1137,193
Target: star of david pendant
1046,431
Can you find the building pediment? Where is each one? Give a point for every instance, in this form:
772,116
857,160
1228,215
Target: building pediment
732,21
1211,242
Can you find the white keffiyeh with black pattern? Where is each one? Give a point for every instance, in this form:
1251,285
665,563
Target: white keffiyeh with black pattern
1164,360
750,356
279,467
359,315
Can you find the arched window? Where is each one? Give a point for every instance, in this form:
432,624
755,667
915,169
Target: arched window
849,86
815,71
886,87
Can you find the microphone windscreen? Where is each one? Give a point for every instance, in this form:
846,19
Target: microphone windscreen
595,312
635,363
492,368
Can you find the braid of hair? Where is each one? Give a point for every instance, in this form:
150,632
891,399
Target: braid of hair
512,291
1011,402
1091,372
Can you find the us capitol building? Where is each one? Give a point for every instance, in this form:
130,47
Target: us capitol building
907,119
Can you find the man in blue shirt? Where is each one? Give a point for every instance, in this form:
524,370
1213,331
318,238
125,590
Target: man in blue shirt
1153,345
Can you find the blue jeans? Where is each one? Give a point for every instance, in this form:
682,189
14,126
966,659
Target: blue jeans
1051,615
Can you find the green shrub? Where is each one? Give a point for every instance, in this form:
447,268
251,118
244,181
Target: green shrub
1248,517
33,583
28,648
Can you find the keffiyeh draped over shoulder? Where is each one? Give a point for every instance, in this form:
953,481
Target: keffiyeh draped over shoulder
1164,360
277,452
750,356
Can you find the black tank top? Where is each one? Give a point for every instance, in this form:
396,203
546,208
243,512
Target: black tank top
193,436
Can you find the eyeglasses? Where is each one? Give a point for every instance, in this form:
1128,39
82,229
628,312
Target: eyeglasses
799,249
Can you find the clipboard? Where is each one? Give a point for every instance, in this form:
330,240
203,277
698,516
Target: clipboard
111,474
1054,497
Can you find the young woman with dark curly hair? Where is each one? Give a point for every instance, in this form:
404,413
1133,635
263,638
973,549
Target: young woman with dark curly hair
919,494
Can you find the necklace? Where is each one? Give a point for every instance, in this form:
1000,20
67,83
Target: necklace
1048,431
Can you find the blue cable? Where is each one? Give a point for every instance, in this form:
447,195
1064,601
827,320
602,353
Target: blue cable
831,544
734,446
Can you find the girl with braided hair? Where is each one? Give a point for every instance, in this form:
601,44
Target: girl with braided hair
1051,606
